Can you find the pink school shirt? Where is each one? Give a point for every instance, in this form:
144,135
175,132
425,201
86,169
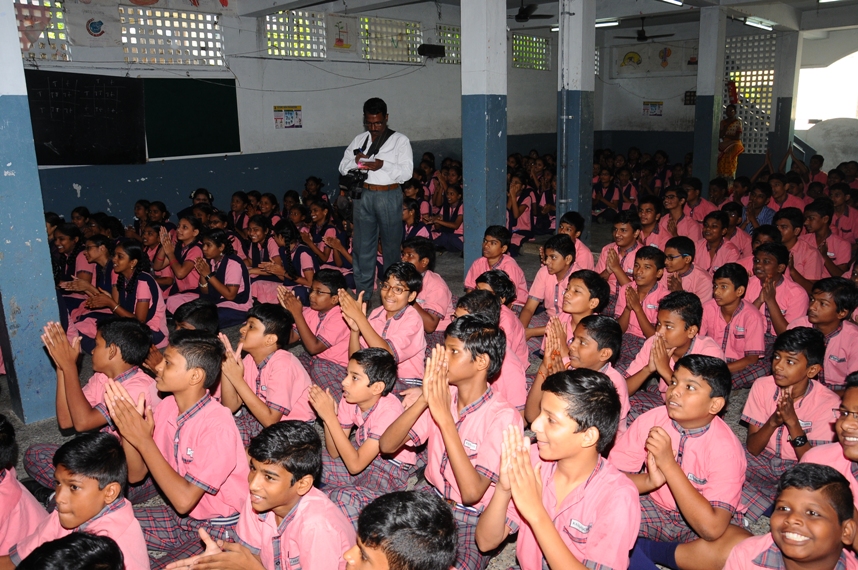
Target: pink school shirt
686,226
436,299
695,280
820,176
699,345
404,334
313,536
134,380
698,212
841,351
583,257
511,325
743,336
598,521
546,289
656,238
789,295
712,457
726,253
115,521
789,202
423,231
158,322
480,426
748,264
332,331
623,390
203,446
23,513
627,262
649,304
813,411
511,382
845,225
743,243
509,266
839,250
831,454
372,423
234,276
282,383
808,260
761,552
192,280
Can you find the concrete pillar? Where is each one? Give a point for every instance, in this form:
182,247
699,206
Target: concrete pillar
484,70
26,279
787,66
575,86
710,92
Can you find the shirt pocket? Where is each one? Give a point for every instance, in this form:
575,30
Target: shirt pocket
293,563
577,532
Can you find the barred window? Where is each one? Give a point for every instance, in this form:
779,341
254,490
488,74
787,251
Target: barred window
391,40
596,66
295,33
171,37
451,38
42,30
531,52
750,65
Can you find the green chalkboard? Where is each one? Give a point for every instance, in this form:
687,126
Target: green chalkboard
190,116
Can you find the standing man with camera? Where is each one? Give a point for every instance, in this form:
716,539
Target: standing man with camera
379,160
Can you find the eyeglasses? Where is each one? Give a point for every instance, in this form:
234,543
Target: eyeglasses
320,292
377,124
840,414
670,197
397,290
672,257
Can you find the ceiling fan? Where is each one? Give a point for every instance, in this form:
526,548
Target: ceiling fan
642,37
526,13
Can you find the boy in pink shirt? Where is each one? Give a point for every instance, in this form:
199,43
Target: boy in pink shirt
736,235
649,211
811,526
23,513
435,302
497,282
90,474
548,286
495,245
637,302
805,262
394,326
714,250
617,260
737,325
269,385
594,521
462,419
787,413
572,224
780,197
676,222
845,221
694,469
836,252
190,445
696,207
355,474
682,273
121,345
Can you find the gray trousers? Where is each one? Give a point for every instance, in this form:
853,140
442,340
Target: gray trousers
376,214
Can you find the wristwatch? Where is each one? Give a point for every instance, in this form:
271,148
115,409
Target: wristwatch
798,441
208,277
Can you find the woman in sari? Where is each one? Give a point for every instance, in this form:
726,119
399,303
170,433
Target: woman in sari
730,145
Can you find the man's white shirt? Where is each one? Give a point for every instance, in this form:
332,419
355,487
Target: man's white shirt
395,152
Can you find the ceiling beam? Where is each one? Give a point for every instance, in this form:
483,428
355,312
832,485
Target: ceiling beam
259,8
830,18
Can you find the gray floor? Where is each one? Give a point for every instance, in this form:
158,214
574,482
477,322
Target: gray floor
450,266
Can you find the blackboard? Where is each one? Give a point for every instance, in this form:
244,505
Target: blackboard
86,119
191,116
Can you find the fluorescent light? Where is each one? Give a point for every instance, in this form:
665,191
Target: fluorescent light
607,23
674,2
555,29
754,23
827,1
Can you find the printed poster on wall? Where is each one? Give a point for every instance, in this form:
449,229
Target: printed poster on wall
640,60
653,108
343,34
94,26
287,117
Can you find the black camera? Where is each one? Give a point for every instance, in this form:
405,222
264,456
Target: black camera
353,182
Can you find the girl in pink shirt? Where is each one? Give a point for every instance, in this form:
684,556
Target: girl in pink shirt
224,279
181,257
152,245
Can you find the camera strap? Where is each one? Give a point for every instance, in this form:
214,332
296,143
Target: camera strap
377,143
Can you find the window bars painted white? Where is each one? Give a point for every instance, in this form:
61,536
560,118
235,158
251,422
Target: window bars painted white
296,33
42,30
171,37
531,52
750,63
451,38
391,40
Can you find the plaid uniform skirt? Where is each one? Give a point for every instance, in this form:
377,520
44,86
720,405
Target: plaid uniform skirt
352,493
761,482
327,375
631,346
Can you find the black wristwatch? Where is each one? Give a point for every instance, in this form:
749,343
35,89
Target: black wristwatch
799,441
209,277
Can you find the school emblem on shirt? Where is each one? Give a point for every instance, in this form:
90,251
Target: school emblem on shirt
806,426
834,358
694,479
579,526
470,445
190,453
651,306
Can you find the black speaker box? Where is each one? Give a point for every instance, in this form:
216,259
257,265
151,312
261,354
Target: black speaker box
431,50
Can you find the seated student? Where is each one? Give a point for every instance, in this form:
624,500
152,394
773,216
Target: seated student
786,413
572,224
816,190
739,189
181,257
497,281
595,345
805,261
90,477
295,269
719,192
714,250
269,385
224,279
511,381
675,222
845,221
812,522
780,197
196,315
832,301
495,256
286,522
606,197
679,316
412,226
757,212
22,512
616,264
549,285
321,329
649,211
261,254
682,273
734,322
696,206
575,508
735,234
76,551
220,221
694,469
637,303
628,188
835,251
765,233
394,326
435,302
194,454
463,427
353,474
448,225
121,345
520,201
405,530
